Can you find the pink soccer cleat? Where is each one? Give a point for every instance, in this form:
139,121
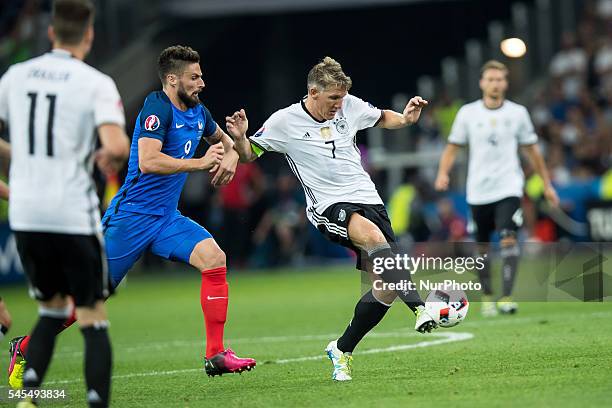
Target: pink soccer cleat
227,362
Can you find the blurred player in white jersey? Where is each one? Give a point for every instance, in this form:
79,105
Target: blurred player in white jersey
53,105
5,154
317,136
494,128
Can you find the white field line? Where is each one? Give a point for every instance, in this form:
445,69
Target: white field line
447,337
444,337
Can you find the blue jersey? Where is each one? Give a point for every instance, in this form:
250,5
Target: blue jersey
180,133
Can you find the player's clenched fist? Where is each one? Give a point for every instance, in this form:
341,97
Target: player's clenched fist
213,157
441,183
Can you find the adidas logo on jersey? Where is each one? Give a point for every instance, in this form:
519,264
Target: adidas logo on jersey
307,136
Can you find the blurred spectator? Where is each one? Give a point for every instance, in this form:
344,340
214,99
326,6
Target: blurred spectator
569,66
604,9
23,30
445,111
237,199
279,238
603,65
452,227
559,172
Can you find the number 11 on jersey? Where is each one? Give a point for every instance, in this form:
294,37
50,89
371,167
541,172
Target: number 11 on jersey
33,97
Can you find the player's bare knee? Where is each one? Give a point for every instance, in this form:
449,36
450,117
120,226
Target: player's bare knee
374,237
213,258
508,238
94,315
58,307
386,297
56,302
207,255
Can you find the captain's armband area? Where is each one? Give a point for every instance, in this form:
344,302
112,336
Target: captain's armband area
257,150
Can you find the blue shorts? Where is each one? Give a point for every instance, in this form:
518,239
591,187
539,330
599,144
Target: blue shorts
128,235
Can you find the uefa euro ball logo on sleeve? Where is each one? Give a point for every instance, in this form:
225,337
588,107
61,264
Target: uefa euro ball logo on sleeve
151,123
259,132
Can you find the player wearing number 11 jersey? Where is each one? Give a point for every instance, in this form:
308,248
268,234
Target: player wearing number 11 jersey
53,105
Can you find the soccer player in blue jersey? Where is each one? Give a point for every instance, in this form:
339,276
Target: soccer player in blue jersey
143,215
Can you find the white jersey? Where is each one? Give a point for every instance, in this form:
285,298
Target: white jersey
493,136
52,105
323,154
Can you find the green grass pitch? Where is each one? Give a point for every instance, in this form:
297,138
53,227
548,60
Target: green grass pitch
548,355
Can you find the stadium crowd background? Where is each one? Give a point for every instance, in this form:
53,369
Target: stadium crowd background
259,218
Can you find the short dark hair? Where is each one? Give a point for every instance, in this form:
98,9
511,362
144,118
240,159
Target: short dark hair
173,59
70,19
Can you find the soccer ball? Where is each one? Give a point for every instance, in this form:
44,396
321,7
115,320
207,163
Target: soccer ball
447,307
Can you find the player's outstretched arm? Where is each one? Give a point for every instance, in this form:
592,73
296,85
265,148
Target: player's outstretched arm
152,160
537,162
237,126
395,120
446,164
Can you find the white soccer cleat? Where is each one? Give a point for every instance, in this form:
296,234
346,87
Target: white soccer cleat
488,309
424,322
343,362
487,306
506,305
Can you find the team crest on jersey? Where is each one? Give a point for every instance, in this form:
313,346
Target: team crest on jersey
259,132
341,126
342,215
151,123
200,125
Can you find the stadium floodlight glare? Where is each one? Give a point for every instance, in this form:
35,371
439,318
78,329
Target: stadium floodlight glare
513,47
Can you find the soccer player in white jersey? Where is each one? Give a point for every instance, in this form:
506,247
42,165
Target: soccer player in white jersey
53,104
317,136
494,128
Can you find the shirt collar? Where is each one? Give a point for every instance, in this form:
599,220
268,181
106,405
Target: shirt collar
58,52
